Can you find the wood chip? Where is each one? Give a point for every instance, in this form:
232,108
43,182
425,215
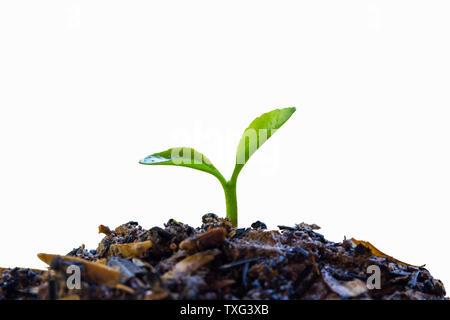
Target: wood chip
128,250
96,272
125,288
207,240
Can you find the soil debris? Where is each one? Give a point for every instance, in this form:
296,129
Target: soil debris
217,261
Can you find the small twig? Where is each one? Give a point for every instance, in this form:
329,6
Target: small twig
244,274
239,262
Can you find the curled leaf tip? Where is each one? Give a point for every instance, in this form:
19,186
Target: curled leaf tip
43,257
380,254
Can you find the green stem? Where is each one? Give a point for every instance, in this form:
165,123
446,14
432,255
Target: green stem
231,201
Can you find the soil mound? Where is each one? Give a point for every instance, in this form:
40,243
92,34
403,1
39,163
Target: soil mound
218,261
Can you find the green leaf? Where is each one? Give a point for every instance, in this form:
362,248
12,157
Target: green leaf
183,157
257,133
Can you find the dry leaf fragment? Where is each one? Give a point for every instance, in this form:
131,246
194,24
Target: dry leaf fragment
380,254
128,269
128,250
96,272
104,229
191,263
345,289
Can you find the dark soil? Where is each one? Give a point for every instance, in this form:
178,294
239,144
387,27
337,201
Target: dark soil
217,261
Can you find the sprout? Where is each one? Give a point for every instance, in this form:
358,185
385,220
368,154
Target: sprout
261,129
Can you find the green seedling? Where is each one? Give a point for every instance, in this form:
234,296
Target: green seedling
261,129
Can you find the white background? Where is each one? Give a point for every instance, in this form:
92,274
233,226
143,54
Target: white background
87,88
